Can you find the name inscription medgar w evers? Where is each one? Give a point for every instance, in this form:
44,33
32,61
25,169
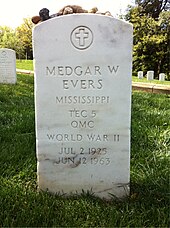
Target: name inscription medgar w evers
94,75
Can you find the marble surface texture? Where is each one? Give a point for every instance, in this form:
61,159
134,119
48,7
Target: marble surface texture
83,104
7,66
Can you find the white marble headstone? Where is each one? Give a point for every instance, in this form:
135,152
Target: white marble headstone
7,66
83,104
161,77
140,74
150,75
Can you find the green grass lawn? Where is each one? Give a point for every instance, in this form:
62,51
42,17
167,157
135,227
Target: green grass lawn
21,205
144,80
24,64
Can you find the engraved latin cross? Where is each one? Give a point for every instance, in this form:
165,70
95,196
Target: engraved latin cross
82,35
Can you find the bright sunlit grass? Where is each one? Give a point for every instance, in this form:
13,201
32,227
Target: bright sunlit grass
144,80
24,64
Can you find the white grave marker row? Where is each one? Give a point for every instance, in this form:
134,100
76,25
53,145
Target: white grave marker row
150,75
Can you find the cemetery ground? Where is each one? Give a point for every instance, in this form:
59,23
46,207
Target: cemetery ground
22,205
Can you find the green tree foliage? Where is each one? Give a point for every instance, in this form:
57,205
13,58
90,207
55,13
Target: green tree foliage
151,41
19,39
24,34
153,8
7,38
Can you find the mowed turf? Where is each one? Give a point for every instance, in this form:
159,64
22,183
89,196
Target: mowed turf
22,205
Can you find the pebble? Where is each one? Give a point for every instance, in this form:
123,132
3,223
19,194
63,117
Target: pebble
44,14
69,9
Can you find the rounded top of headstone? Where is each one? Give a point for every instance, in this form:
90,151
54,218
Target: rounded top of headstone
6,49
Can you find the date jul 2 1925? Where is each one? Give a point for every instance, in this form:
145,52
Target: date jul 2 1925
82,151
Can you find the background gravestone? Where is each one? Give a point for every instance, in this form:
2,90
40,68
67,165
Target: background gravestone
150,75
162,77
7,66
83,104
140,74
